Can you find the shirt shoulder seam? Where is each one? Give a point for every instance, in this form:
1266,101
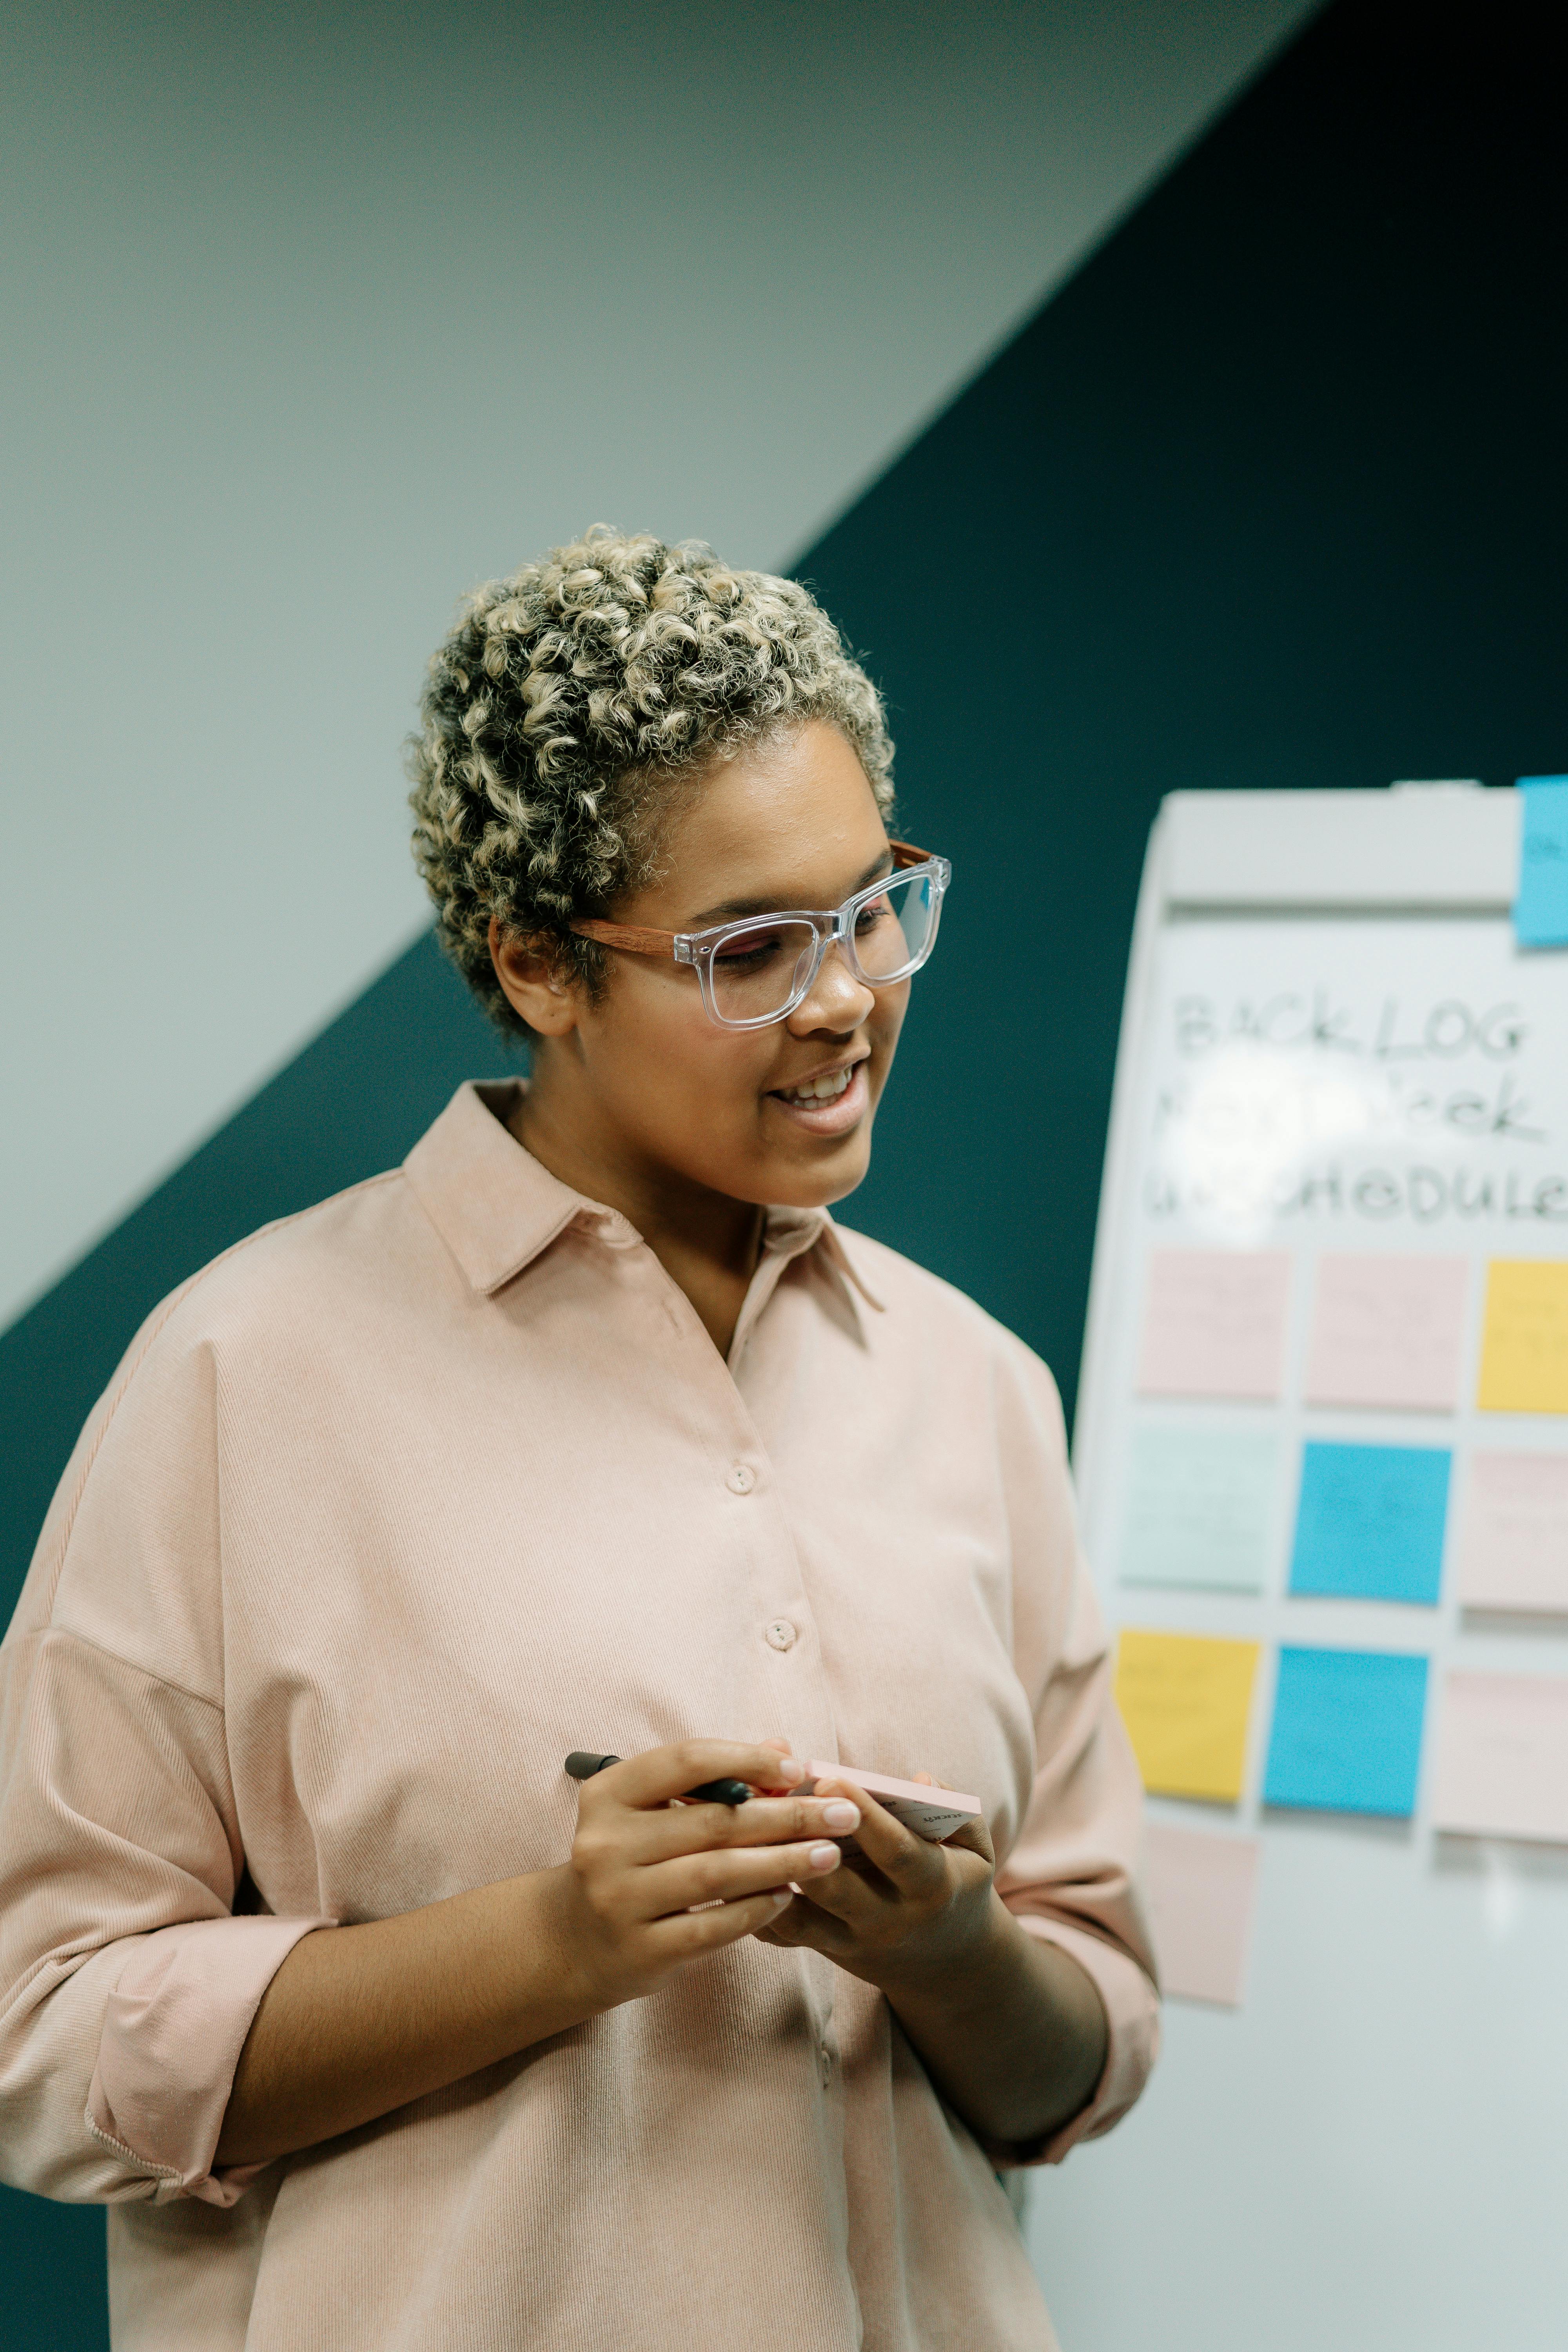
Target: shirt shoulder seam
131,1665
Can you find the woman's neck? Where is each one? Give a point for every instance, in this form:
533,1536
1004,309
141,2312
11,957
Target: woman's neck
708,1244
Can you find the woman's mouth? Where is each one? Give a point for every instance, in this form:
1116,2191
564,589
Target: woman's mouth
827,1105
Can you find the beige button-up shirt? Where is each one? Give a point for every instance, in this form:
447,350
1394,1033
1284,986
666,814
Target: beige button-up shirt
388,1509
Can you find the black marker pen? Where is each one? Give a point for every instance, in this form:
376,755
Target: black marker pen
583,1766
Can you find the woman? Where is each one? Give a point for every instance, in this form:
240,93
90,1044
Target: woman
586,1429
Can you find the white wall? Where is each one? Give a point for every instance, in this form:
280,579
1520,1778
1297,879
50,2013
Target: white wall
319,314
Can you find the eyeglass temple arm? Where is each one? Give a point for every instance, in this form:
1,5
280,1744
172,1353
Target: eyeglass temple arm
639,941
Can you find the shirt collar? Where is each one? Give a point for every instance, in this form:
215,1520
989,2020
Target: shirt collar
496,1208
490,1201
791,1231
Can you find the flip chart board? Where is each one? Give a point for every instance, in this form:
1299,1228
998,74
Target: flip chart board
1343,1076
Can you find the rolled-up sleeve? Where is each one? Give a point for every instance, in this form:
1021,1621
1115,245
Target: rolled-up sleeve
174,2028
127,1982
127,1985
1070,1875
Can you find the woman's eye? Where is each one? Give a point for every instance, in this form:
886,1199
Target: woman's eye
869,917
750,947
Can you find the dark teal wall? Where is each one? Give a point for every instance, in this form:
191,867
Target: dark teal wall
1274,493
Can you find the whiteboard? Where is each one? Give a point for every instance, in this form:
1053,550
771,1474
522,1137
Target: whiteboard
1332,1044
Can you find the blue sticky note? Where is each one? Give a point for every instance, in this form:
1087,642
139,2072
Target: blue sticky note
1541,910
1346,1737
1369,1526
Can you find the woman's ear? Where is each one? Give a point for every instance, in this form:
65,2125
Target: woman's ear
534,983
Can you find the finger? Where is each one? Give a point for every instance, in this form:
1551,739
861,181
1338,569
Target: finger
718,1877
974,1836
661,1835
897,1852
689,1933
800,1926
661,1773
856,1900
780,1748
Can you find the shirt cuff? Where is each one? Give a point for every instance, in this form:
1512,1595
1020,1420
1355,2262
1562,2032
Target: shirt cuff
1132,2019
173,2029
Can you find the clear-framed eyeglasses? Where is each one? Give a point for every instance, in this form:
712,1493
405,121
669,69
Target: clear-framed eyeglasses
756,969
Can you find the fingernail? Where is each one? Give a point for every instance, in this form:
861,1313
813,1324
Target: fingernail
789,1770
840,1814
823,1857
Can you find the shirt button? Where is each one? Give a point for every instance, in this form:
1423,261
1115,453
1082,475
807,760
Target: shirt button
780,1634
741,1478
824,2060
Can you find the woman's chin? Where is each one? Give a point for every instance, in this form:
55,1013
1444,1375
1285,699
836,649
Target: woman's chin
815,1180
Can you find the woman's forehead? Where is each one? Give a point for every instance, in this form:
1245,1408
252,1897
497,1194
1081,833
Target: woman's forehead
774,825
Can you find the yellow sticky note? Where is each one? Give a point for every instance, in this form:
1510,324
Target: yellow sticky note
1184,1698
1524,1340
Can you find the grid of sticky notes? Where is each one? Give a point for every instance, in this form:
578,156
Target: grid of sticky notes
1203,1498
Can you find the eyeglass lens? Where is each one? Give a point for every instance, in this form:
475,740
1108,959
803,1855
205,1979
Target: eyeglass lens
755,972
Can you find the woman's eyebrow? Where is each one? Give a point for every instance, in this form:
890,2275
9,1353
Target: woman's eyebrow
729,909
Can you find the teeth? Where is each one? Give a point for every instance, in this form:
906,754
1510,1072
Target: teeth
819,1089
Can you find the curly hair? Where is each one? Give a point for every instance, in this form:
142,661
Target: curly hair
568,706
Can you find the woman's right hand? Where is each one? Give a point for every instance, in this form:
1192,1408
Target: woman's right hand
639,1863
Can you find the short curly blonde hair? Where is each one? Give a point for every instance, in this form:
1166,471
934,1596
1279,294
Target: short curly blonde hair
573,699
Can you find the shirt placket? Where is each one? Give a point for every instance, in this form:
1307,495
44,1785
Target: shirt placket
784,1631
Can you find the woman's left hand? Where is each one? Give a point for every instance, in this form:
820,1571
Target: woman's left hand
1012,2029
904,1910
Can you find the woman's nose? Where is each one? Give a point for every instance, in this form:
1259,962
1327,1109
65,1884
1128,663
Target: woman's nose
836,999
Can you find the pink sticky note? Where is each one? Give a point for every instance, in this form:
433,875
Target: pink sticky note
1513,1532
1387,1331
1201,1891
1502,1756
1213,1323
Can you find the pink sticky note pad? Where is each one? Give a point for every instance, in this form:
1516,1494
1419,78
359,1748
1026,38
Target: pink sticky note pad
1387,1331
1201,1890
932,1814
1513,1532
1213,1323
1502,1756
